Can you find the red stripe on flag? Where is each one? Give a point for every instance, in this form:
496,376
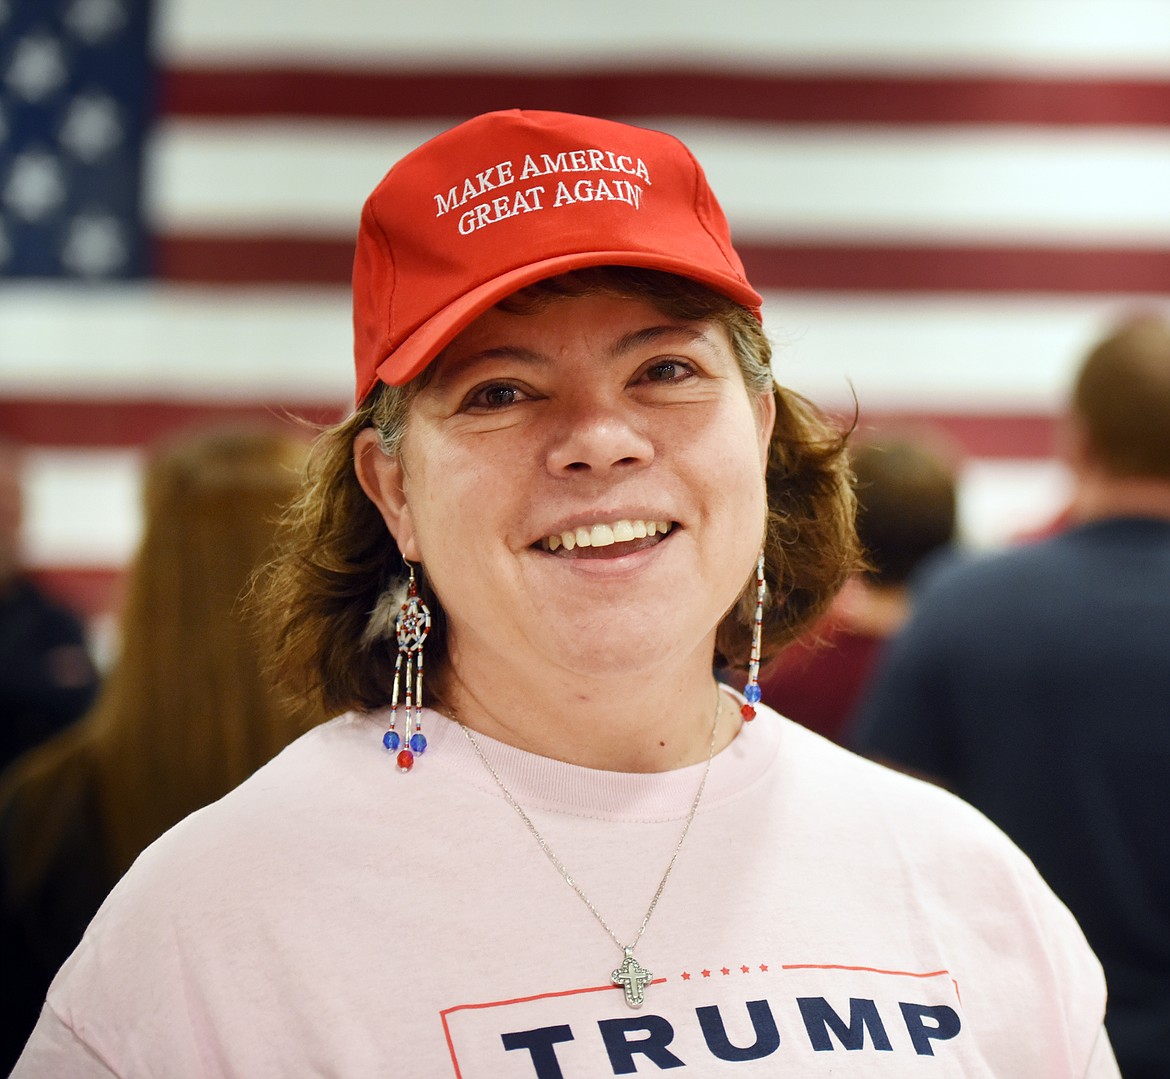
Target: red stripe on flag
72,422
969,268
211,258
241,259
1024,436
769,98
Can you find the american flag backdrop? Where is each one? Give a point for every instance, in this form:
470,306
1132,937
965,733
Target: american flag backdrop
944,202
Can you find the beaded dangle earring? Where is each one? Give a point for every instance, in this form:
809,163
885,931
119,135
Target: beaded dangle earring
751,691
411,627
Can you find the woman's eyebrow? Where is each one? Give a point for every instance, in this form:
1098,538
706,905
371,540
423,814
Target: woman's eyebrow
470,362
655,334
628,342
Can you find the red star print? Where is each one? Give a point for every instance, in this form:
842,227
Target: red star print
726,970
764,967
686,976
706,974
745,969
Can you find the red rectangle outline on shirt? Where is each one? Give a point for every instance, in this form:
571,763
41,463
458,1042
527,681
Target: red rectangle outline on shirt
658,981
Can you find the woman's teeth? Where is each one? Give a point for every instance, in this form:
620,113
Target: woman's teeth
605,535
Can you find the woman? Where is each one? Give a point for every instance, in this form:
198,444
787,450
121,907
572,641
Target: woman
569,491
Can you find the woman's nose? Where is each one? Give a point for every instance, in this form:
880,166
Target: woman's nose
594,436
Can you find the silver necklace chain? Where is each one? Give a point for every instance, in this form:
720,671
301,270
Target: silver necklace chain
630,975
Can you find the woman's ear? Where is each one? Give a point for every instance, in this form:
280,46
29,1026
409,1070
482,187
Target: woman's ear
382,478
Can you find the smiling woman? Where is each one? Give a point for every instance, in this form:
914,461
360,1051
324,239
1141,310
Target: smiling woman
678,359
572,488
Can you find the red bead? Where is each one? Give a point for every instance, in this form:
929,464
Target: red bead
405,761
748,712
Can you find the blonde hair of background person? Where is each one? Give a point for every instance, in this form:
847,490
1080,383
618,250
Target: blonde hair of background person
185,714
188,713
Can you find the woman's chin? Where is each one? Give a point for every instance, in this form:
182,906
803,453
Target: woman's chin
623,652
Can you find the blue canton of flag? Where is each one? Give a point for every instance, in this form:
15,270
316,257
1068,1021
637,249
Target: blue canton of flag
76,93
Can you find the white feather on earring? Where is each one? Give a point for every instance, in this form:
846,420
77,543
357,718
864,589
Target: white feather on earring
381,623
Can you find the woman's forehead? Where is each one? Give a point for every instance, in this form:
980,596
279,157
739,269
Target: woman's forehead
610,325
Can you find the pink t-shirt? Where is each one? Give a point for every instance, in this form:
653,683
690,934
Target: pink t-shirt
334,917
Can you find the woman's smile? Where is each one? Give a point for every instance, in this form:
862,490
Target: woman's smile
606,540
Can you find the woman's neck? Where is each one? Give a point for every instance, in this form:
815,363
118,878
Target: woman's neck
627,723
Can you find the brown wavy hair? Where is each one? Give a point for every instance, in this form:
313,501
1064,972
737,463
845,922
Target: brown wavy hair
339,557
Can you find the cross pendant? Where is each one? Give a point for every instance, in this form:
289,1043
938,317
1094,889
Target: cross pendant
633,979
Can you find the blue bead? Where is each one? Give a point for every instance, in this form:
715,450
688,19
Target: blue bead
391,740
752,693
418,742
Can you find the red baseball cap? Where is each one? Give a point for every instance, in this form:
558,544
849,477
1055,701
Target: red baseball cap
510,198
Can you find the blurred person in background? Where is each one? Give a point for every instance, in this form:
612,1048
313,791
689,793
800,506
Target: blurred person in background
906,514
184,716
47,677
1035,683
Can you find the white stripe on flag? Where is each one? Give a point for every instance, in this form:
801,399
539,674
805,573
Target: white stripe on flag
1087,185
873,35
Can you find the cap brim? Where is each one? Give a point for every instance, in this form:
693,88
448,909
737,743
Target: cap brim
429,339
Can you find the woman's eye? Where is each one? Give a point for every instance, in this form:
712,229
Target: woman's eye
668,371
496,395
